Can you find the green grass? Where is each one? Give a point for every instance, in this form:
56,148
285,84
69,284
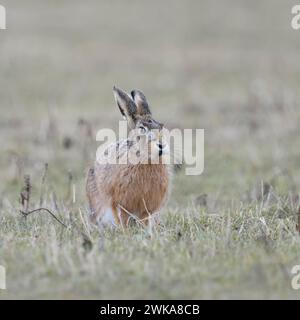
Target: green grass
233,70
246,252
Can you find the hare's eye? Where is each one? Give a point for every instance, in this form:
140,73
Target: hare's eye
142,129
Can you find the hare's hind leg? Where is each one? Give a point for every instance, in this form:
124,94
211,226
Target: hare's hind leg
93,196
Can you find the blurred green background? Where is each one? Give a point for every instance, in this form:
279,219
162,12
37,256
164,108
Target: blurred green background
230,67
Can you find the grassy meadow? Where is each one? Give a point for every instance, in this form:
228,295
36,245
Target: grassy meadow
230,67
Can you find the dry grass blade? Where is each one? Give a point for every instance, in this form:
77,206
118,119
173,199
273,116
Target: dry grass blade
25,194
70,183
298,219
87,243
43,184
26,213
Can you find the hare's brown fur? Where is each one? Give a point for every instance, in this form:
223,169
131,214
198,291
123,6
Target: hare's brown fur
127,190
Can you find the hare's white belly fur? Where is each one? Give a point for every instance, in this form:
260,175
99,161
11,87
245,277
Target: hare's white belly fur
107,218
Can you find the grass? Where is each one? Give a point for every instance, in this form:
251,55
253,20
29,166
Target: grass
246,252
238,79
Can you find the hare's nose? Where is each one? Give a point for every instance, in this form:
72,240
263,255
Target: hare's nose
161,148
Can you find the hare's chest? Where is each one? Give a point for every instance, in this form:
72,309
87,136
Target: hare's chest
147,189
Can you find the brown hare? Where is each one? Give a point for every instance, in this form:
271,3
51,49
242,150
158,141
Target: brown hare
131,190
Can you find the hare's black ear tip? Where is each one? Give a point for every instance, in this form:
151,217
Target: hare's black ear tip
133,92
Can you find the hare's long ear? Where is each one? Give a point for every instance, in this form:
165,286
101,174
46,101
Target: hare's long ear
141,102
126,105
